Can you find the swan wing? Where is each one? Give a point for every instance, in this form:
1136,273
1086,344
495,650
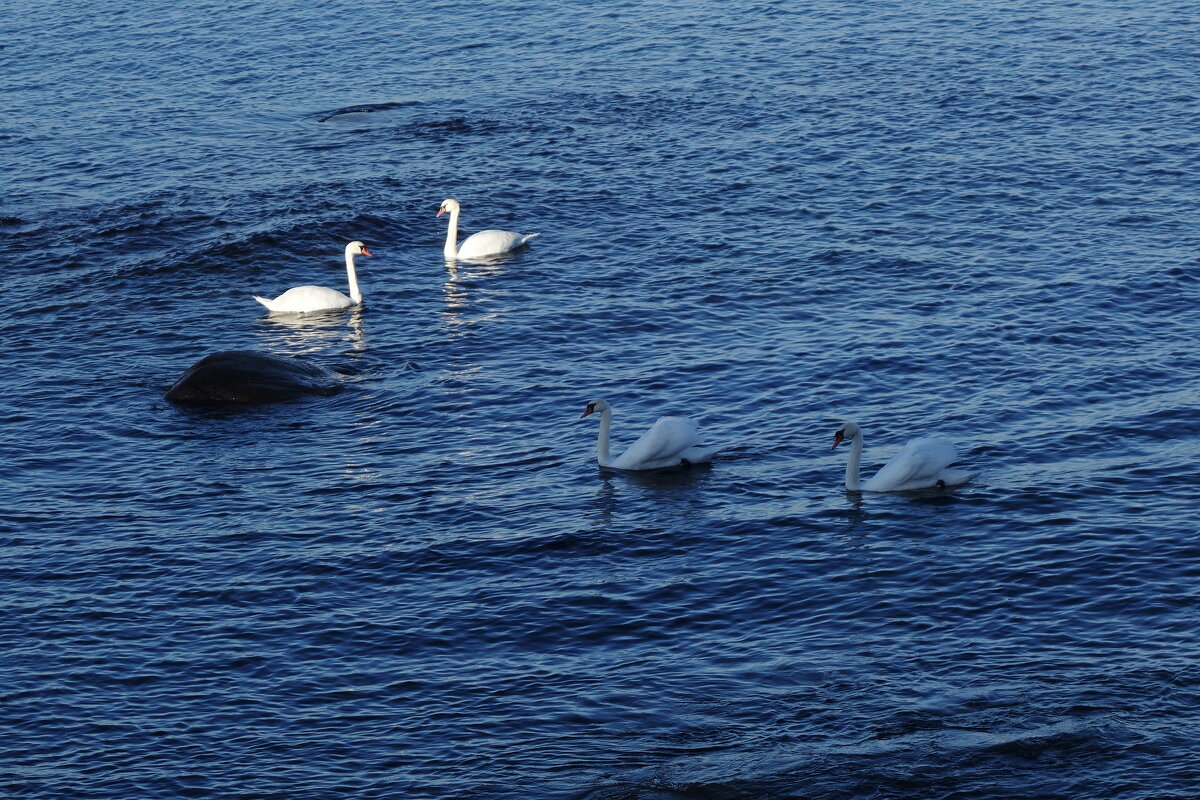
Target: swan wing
492,243
916,466
663,445
307,298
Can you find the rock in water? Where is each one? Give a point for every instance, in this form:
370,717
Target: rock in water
243,377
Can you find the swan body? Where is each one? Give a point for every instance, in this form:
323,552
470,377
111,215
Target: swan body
670,442
920,464
482,244
306,299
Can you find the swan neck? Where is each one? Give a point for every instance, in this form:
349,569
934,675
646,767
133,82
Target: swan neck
352,279
451,249
602,442
856,446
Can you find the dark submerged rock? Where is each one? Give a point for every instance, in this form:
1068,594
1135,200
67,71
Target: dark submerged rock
243,377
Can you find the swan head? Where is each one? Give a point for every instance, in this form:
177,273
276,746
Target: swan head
595,407
848,431
357,249
448,205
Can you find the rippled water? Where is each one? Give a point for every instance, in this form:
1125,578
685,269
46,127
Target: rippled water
771,217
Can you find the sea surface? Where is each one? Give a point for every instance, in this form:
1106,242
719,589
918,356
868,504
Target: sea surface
965,218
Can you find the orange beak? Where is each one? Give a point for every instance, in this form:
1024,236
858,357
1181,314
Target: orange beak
837,438
366,252
441,211
586,411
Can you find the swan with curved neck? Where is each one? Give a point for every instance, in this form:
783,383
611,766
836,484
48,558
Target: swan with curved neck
478,245
921,464
670,442
306,299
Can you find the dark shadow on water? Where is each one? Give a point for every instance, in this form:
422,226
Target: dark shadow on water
859,504
239,411
853,516
944,496
670,480
933,496
634,497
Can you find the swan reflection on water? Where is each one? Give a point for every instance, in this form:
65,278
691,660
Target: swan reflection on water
463,292
666,481
675,485
456,294
856,511
483,265
465,270
313,333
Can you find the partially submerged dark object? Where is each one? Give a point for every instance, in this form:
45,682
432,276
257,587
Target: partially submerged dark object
244,377
366,108
341,111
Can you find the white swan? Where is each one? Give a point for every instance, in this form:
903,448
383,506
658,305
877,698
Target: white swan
670,442
482,244
921,464
303,299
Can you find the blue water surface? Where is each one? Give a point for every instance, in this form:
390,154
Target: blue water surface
961,218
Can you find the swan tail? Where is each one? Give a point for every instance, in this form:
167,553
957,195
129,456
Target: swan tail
529,236
265,302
